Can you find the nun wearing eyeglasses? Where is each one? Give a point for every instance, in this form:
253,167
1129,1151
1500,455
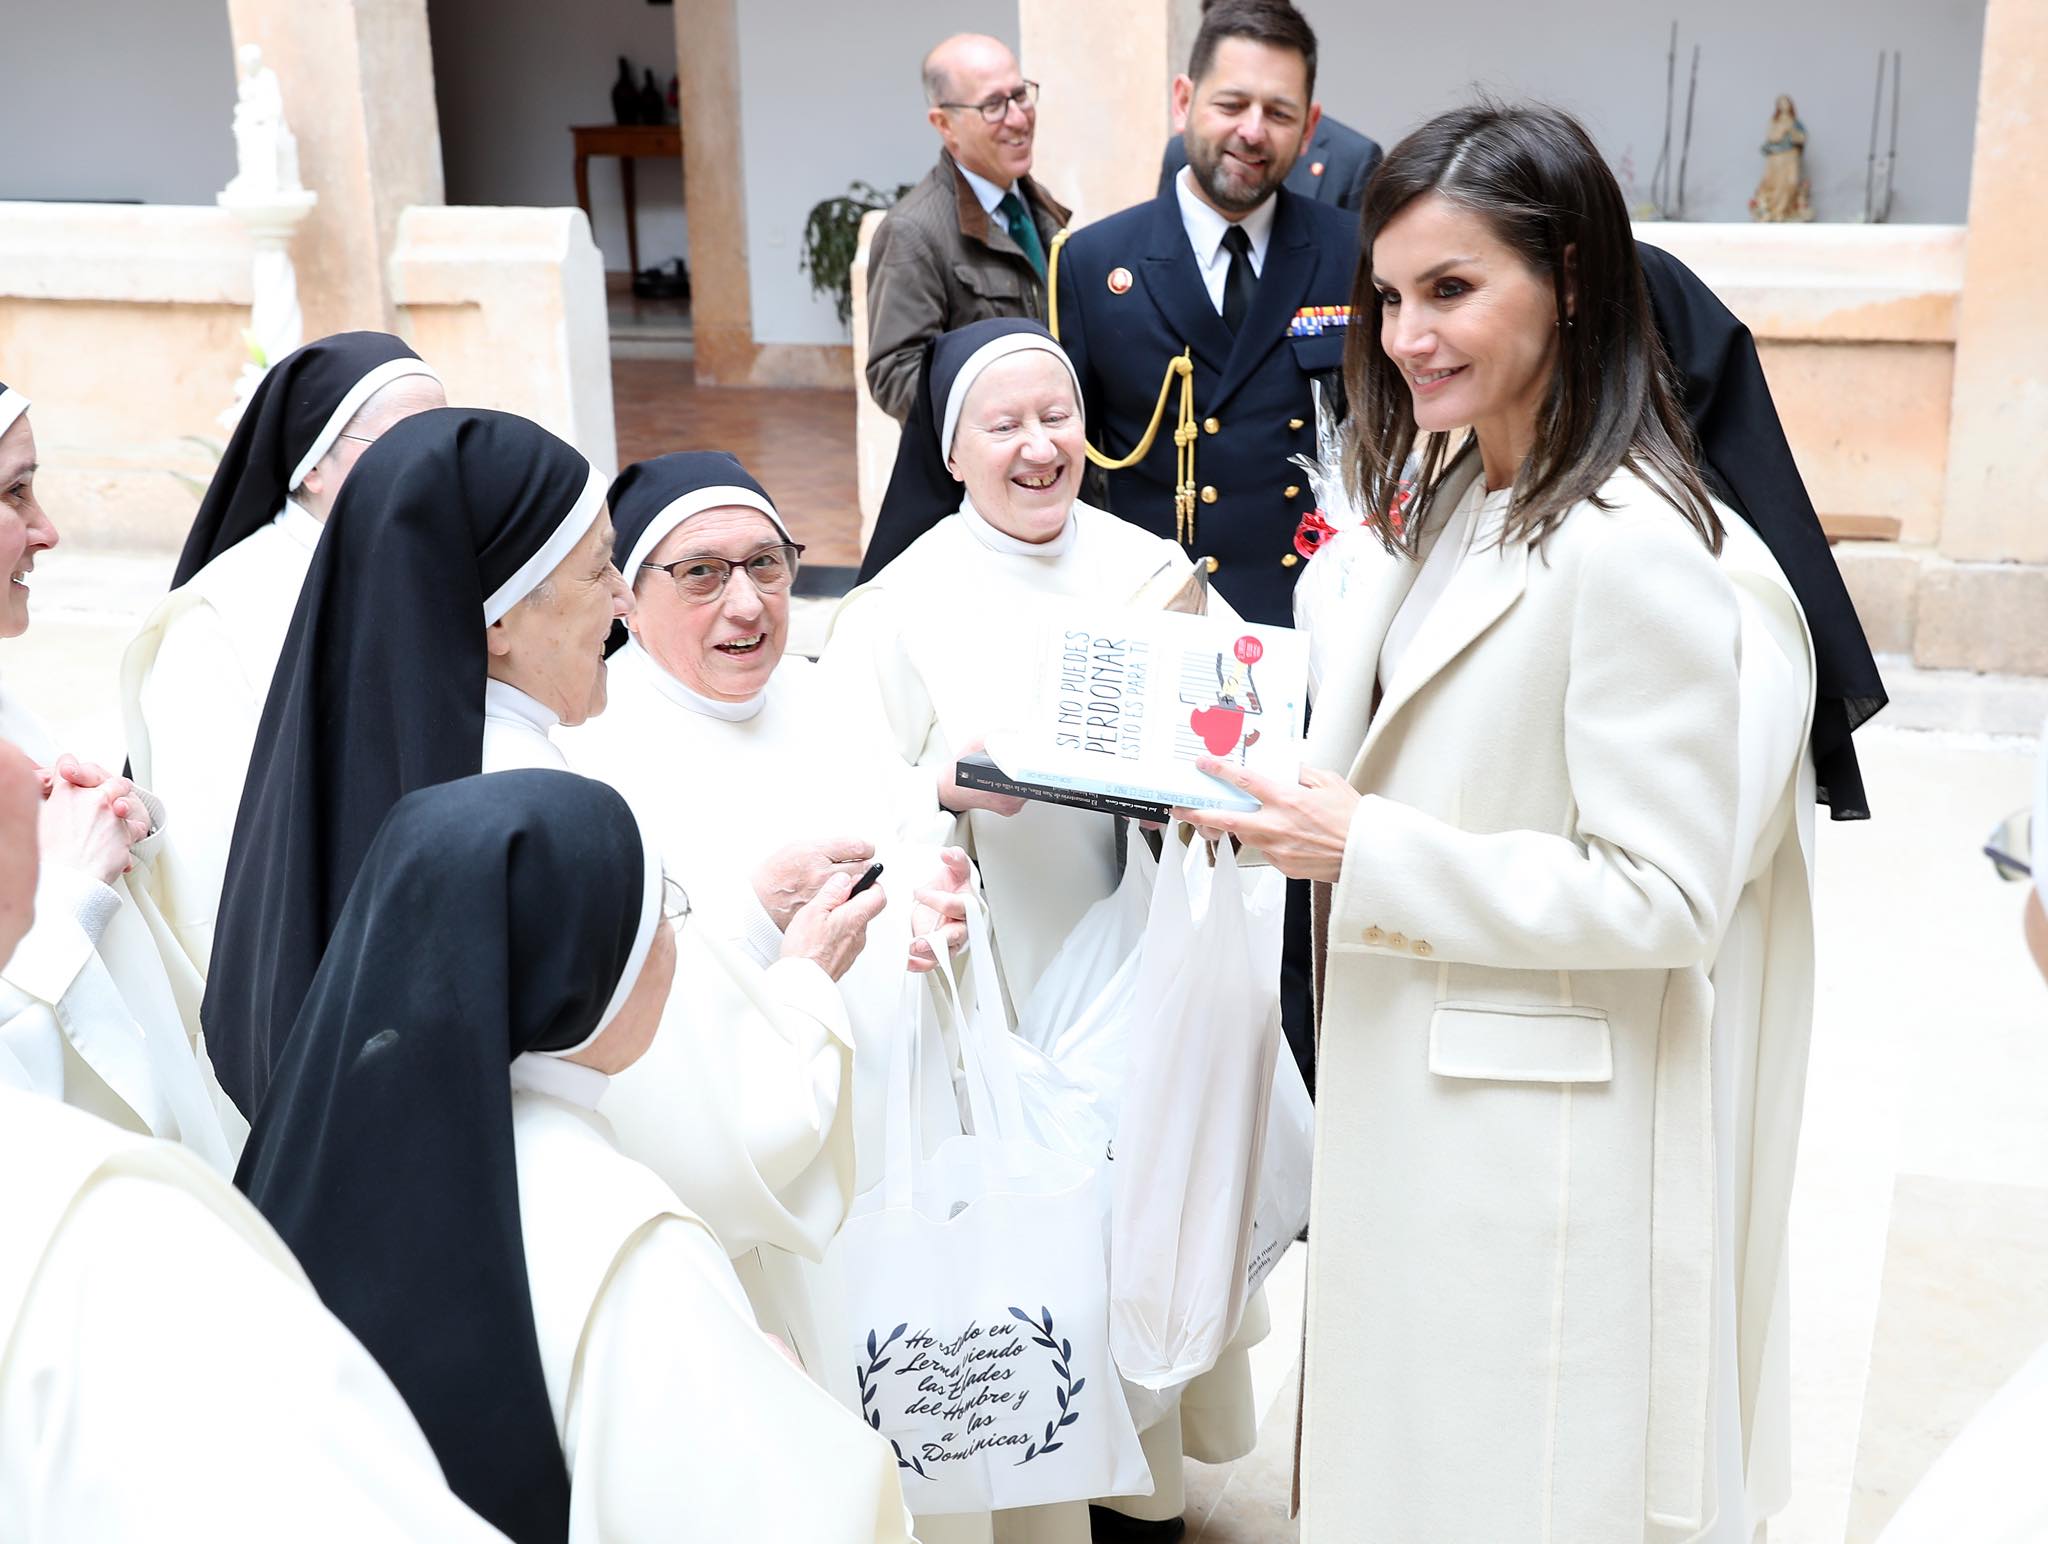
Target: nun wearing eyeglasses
455,611
770,802
939,647
194,679
569,1334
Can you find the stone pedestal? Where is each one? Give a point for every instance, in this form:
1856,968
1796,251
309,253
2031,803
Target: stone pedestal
276,323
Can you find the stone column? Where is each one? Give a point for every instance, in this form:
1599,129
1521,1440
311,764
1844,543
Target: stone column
1998,436
358,83
1981,603
1105,115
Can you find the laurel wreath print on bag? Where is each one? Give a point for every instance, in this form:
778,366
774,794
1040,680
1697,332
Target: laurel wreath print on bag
1043,1334
1062,1357
878,1358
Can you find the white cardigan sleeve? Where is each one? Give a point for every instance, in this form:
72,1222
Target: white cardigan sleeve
686,1422
1651,750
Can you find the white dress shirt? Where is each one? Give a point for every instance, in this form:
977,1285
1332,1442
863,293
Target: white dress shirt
1206,228
988,192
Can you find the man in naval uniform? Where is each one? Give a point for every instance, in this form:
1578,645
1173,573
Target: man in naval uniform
1248,279
1333,168
1251,282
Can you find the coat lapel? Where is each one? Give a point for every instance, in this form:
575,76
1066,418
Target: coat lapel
1176,286
1290,262
1485,586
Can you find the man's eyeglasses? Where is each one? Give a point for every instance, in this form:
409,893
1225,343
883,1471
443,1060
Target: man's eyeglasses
675,901
997,108
2010,848
702,580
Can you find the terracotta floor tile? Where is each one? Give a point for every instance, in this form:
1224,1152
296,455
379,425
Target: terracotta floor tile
798,442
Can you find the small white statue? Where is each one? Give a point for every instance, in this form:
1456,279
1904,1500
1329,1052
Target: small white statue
266,152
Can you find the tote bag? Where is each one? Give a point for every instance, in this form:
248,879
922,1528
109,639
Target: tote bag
977,1287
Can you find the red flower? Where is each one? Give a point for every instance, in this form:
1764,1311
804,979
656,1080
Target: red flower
1313,531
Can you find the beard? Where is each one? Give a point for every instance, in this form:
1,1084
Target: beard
1226,183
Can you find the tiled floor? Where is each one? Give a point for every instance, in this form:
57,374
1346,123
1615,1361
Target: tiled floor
797,442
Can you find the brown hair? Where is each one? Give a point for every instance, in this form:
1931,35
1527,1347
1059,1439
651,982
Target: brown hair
1272,22
1536,178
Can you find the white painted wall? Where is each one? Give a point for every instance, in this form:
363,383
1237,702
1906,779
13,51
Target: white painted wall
111,99
1386,67
829,94
511,76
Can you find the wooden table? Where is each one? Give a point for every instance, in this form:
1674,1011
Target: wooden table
626,141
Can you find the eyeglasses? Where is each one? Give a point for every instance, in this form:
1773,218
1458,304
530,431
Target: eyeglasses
675,901
701,580
2015,834
360,439
997,108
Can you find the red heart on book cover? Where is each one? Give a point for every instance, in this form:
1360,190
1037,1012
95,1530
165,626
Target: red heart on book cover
1219,728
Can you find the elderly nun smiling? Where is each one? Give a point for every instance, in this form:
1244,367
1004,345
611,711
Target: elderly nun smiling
769,801
937,649
454,612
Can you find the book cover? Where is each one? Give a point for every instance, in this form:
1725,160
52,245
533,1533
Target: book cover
1124,701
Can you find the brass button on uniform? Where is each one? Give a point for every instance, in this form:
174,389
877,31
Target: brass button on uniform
1211,426
1290,560
1373,935
1397,940
1211,564
1209,493
1423,949
1294,423
1293,491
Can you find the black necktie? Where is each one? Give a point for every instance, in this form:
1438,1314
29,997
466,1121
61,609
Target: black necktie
1239,283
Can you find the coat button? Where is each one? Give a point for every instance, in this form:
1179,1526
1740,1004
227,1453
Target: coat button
1373,935
1397,940
1295,423
1211,564
1290,559
1423,949
1209,493
1212,426
1293,491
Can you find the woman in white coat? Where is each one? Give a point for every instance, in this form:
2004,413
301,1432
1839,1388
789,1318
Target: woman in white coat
1530,820
571,1337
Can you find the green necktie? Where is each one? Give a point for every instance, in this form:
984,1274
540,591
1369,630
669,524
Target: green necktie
1023,229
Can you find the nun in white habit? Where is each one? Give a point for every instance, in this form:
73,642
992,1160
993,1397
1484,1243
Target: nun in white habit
762,795
194,678
97,1003
386,682
937,649
570,1336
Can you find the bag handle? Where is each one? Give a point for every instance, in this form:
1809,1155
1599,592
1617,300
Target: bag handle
987,1067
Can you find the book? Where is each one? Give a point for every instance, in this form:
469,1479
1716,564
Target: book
1125,700
980,771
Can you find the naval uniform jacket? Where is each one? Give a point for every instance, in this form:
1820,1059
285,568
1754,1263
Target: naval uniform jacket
1130,299
1333,169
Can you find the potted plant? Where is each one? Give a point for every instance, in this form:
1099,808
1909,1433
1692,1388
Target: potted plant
830,236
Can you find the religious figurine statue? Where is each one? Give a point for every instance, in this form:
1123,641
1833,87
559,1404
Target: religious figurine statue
266,152
1785,193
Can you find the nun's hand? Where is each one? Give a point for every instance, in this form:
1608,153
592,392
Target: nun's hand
941,910
1301,828
830,930
90,828
960,800
790,876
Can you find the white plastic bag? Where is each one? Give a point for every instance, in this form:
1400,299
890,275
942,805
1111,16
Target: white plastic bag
1204,1038
1100,949
977,1288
